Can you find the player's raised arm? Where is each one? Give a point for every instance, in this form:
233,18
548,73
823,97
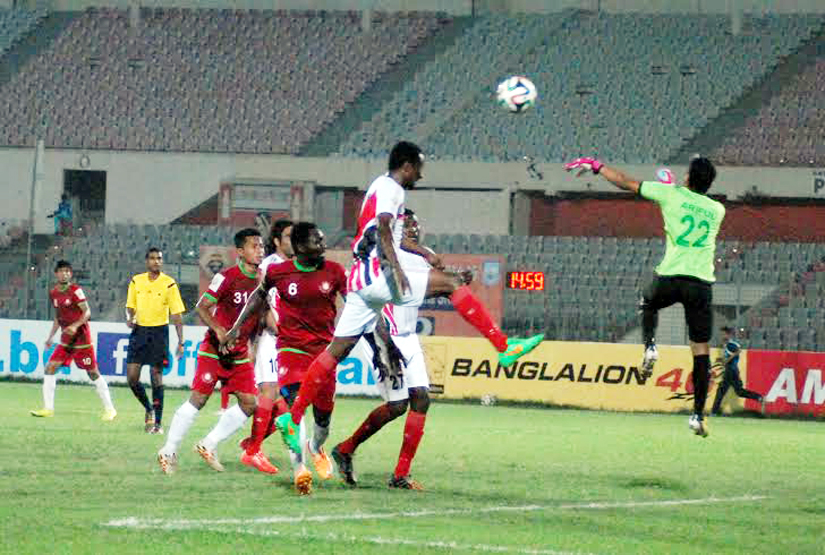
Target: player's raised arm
617,178
254,303
427,253
388,251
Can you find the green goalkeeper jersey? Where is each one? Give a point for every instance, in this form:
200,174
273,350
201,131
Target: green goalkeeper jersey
692,222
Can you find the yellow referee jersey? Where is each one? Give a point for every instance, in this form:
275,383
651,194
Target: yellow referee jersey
154,300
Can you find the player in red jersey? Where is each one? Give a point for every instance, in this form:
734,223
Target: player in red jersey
385,272
308,287
71,314
219,308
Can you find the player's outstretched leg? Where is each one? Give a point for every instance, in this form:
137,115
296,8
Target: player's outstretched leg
475,313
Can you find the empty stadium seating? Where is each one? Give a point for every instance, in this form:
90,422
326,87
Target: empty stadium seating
202,80
788,128
630,87
15,24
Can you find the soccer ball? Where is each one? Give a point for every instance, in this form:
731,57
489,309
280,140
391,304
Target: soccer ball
516,93
488,400
664,175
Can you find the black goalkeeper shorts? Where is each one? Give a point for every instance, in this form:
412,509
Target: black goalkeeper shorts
694,294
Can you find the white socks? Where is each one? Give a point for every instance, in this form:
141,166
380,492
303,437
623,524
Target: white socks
181,422
297,460
49,385
230,422
103,392
319,436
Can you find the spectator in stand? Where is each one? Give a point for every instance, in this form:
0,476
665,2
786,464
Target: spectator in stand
63,216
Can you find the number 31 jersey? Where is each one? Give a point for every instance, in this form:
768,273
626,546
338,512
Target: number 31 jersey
306,303
229,290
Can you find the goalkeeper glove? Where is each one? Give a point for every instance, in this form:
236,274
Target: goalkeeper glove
584,165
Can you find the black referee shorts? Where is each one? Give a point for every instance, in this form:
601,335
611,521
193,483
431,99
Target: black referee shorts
694,294
149,345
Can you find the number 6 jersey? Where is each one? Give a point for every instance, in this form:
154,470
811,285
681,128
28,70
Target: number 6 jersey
229,290
306,303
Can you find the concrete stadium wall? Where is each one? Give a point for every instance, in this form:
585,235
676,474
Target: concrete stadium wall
147,187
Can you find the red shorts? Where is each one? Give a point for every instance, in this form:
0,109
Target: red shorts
292,368
84,357
238,378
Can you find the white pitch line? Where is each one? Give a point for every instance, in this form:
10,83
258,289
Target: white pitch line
184,524
378,540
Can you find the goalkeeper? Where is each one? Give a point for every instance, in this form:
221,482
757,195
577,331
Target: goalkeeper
686,273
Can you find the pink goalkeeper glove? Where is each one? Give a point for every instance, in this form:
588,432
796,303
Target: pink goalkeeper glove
584,165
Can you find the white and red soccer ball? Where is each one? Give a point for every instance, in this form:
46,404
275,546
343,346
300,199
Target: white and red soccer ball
664,175
516,94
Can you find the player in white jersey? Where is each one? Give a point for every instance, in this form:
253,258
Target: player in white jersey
385,272
410,389
270,402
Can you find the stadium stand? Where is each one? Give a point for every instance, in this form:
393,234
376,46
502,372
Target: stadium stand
105,259
788,128
203,80
630,104
15,24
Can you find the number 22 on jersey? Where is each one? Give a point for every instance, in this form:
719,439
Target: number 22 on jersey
691,224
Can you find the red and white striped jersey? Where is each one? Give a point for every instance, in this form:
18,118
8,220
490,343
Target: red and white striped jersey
384,196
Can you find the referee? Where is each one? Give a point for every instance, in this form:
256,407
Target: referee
686,273
152,297
731,377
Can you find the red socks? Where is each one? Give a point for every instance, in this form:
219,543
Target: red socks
413,430
374,422
278,409
474,312
320,373
260,424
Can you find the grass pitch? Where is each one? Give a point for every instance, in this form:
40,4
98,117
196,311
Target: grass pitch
498,479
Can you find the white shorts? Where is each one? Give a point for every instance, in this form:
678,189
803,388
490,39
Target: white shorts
415,371
266,362
363,307
401,320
